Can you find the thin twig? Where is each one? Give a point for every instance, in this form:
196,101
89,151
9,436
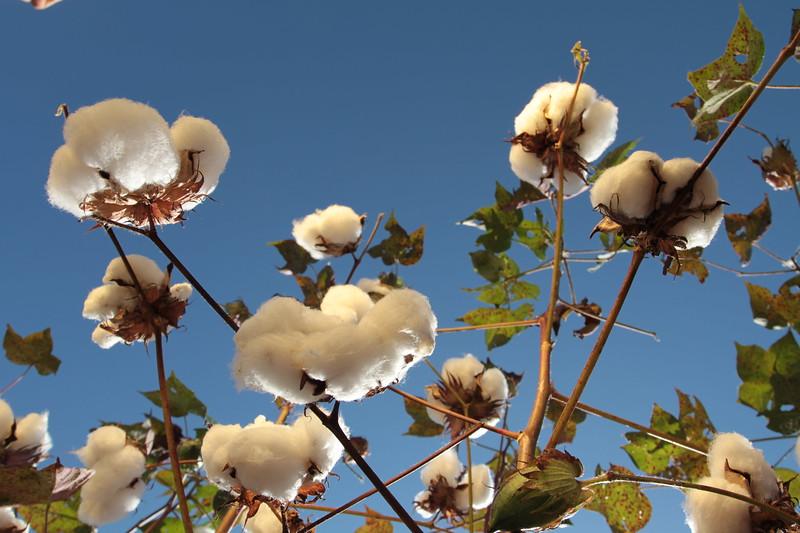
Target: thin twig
748,128
496,325
357,260
621,325
230,518
16,380
777,437
743,273
371,514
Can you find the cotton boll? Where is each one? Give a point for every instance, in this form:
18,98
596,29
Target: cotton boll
127,139
146,270
707,512
482,489
114,472
201,135
373,285
9,522
532,118
31,433
560,97
526,165
629,188
494,385
101,442
433,414
325,450
573,184
445,466
103,302
70,181
600,129
336,226
264,521
699,228
104,338
6,421
181,291
102,510
743,457
214,452
406,316
463,370
419,500
348,302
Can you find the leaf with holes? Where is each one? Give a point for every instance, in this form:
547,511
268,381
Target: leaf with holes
689,262
36,349
422,426
745,229
182,400
624,505
400,246
776,311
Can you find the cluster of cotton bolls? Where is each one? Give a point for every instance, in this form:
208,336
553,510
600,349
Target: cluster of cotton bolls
116,487
119,308
270,459
9,523
329,232
736,466
637,195
347,349
25,440
448,490
122,161
483,390
591,129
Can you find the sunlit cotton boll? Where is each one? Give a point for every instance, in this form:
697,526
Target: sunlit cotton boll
181,291
104,338
31,434
103,302
9,523
70,181
328,232
116,488
214,452
128,140
446,466
348,302
264,521
101,442
202,136
743,457
628,189
699,228
147,271
482,489
6,421
707,512
323,447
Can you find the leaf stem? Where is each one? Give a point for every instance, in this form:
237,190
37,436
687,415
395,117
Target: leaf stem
357,260
14,382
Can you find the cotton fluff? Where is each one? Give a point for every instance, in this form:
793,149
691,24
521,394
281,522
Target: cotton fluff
629,188
328,232
6,421
147,271
592,129
347,349
446,467
447,487
270,459
482,489
116,487
70,181
32,435
264,521
707,512
743,457
205,140
374,286
9,522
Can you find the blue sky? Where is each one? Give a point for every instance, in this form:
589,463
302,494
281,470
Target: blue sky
380,106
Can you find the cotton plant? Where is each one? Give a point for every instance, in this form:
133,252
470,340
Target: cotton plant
736,466
23,441
123,314
330,232
447,488
471,389
121,161
589,130
350,348
268,459
117,486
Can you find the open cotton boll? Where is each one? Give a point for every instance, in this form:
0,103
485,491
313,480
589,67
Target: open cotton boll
494,385
743,457
31,433
114,472
707,512
264,521
699,228
70,181
348,302
103,302
560,97
600,129
462,369
201,135
214,452
406,316
328,232
6,421
9,522
526,165
445,466
324,449
482,489
629,188
128,140
101,510
181,291
146,270
101,442
419,500
104,338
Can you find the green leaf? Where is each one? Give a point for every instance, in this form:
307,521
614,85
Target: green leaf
400,246
624,505
539,496
724,84
374,524
182,400
487,264
689,262
535,234
553,412
488,315
745,229
790,476
523,195
62,516
422,426
296,257
776,311
613,158
36,349
657,457
238,310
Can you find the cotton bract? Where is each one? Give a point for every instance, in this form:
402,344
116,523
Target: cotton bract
329,232
591,129
447,487
116,487
347,349
270,459
120,160
118,306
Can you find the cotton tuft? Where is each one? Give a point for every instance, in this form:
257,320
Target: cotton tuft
6,420
9,522
707,512
264,521
447,487
328,232
743,457
32,434
203,138
446,466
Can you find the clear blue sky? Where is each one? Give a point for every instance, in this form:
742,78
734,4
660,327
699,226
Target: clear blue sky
381,106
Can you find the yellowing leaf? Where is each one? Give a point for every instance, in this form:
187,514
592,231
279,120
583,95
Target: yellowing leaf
624,505
745,229
36,349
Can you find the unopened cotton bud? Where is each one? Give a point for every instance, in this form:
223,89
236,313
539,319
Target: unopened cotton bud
446,466
328,232
708,512
101,442
6,421
70,181
147,271
741,456
209,147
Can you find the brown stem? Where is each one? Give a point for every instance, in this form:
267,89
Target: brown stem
357,260
557,396
454,414
171,444
605,331
496,325
391,481
371,514
331,422
286,409
230,517
617,324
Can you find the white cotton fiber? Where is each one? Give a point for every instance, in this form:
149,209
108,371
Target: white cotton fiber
128,140
560,97
147,271
482,489
526,165
324,450
433,414
214,452
6,421
181,291
405,316
336,225
101,442
446,466
629,188
707,512
494,385
419,501
264,521
700,228
463,370
600,129
70,181
201,135
9,523
112,508
743,457
348,302
103,302
32,434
